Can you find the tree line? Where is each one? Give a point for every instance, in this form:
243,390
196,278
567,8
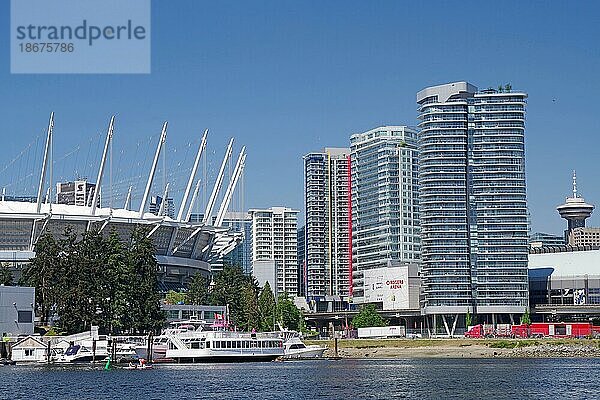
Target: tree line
250,306
96,279
111,282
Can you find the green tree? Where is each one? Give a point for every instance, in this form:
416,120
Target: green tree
227,290
526,318
118,284
6,276
43,274
288,315
198,292
96,279
250,317
266,307
468,319
75,301
145,310
173,297
368,317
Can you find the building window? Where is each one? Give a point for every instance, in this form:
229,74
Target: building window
24,317
28,352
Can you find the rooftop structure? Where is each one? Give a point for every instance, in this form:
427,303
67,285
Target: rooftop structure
575,210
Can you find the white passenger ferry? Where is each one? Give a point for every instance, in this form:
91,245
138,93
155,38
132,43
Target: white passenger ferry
195,341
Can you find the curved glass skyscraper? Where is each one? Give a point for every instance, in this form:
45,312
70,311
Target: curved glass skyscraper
473,200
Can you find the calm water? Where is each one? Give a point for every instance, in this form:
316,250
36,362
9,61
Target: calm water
345,379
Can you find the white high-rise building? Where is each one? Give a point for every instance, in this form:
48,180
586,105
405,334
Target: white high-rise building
327,209
473,200
275,243
385,205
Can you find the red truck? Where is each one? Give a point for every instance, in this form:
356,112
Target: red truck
555,329
536,329
480,331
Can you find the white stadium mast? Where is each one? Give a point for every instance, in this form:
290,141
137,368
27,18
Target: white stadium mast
217,187
239,168
192,176
194,197
109,135
45,163
163,202
128,199
161,142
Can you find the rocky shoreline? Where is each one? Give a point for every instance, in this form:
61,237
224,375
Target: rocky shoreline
554,351
463,349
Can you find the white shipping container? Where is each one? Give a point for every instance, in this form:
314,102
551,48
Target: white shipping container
382,332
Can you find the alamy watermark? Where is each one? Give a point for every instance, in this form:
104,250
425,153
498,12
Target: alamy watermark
80,36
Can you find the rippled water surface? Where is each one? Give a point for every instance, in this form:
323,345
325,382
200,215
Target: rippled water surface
343,379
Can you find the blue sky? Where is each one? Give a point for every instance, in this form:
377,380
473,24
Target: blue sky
286,78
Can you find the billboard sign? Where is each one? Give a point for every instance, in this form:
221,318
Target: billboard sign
388,286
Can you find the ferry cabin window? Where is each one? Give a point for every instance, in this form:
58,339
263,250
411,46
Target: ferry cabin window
208,345
195,345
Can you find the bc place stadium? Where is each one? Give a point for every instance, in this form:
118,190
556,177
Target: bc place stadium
186,239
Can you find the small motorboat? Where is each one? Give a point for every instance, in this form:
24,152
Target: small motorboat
141,364
294,348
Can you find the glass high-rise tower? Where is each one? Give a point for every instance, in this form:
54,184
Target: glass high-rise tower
473,203
328,222
385,207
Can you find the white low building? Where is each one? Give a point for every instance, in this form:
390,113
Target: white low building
29,349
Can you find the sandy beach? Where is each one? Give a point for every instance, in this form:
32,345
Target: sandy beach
462,348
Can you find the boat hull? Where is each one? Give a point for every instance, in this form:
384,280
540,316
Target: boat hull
226,359
305,353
